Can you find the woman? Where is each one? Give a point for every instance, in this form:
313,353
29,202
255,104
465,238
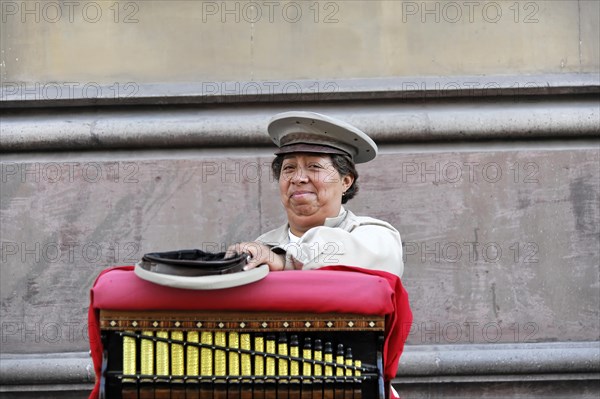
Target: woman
315,170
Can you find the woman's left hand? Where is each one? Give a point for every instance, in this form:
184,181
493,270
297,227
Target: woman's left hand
259,254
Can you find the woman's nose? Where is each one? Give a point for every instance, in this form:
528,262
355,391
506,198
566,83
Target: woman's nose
300,176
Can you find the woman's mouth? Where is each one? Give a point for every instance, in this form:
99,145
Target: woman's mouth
300,194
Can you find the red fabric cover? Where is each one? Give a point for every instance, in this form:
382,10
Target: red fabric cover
337,289
397,323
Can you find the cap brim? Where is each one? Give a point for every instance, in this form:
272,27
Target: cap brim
310,148
203,282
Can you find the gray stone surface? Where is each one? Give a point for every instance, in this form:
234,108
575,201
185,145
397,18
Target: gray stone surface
474,361
522,389
464,119
501,241
405,87
39,369
491,370
244,41
435,363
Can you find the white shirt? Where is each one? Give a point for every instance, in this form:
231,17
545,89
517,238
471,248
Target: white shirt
346,239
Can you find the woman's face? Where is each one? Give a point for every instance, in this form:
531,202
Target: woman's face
311,188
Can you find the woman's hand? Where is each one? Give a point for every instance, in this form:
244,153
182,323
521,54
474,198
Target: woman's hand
259,254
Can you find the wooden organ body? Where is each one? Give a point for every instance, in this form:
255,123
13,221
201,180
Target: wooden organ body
241,355
333,334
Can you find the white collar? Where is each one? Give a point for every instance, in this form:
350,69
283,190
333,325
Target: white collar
293,238
336,220
329,222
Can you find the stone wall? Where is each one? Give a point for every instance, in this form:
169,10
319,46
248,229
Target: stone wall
131,127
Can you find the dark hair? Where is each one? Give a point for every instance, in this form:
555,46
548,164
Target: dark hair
342,163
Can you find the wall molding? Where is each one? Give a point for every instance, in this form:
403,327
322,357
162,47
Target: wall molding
426,363
22,94
505,362
387,122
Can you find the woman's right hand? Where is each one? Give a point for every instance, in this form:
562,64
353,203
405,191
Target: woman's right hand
258,253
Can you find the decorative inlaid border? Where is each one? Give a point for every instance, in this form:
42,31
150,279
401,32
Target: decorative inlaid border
203,321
